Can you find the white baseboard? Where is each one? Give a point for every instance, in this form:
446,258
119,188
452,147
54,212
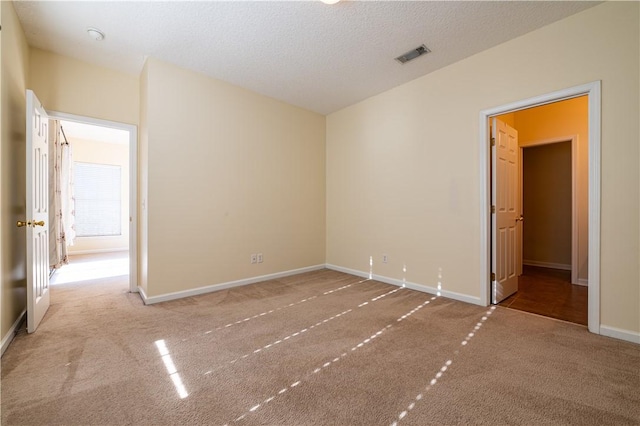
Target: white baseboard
150,300
143,295
413,286
562,266
348,271
95,251
618,333
583,281
8,338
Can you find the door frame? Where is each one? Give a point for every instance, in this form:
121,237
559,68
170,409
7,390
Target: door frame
133,183
574,194
593,91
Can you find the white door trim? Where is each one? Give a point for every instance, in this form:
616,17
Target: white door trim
133,183
574,193
593,91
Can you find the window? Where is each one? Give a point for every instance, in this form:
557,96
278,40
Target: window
98,199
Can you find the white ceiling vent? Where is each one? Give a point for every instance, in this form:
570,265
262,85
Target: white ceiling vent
412,54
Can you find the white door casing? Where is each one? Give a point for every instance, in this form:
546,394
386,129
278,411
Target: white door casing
506,200
593,90
37,200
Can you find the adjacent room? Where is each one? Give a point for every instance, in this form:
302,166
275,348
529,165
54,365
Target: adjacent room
92,203
320,212
553,205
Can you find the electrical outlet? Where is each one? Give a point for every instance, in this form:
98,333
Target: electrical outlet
254,258
259,257
385,258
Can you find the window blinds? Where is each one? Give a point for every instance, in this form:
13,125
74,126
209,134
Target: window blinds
97,189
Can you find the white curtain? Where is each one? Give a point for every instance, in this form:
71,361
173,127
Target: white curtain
61,208
66,194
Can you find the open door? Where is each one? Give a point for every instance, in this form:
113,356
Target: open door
505,204
37,197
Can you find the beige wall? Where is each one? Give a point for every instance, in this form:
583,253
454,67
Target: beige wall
403,166
559,120
71,86
67,85
15,66
230,173
98,152
546,189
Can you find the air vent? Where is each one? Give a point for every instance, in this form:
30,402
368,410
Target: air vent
412,54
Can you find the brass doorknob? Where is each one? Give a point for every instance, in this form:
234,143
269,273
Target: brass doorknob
33,223
520,219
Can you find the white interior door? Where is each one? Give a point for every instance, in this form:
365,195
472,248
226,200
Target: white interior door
505,216
37,197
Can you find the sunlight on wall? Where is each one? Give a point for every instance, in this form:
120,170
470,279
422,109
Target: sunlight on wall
404,275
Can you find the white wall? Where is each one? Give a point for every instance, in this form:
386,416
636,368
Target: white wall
403,167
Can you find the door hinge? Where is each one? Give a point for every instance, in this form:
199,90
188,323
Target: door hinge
493,277
493,209
493,141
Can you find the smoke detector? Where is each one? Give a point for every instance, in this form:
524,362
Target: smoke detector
95,34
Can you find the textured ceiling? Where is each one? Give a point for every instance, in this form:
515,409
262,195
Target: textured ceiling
306,53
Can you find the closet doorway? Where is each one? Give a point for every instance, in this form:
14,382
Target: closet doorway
549,283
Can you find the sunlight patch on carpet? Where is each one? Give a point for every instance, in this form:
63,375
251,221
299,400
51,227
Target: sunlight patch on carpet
311,327
171,369
331,362
442,370
87,271
261,314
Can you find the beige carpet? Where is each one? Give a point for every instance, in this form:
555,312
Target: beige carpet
322,348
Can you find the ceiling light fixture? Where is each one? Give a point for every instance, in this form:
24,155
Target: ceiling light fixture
329,1
412,54
95,34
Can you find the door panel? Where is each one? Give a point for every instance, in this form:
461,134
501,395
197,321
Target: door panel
505,198
37,198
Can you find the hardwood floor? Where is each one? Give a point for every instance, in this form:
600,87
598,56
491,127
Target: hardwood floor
549,292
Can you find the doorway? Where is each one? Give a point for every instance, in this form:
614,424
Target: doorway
552,169
592,258
548,284
104,158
